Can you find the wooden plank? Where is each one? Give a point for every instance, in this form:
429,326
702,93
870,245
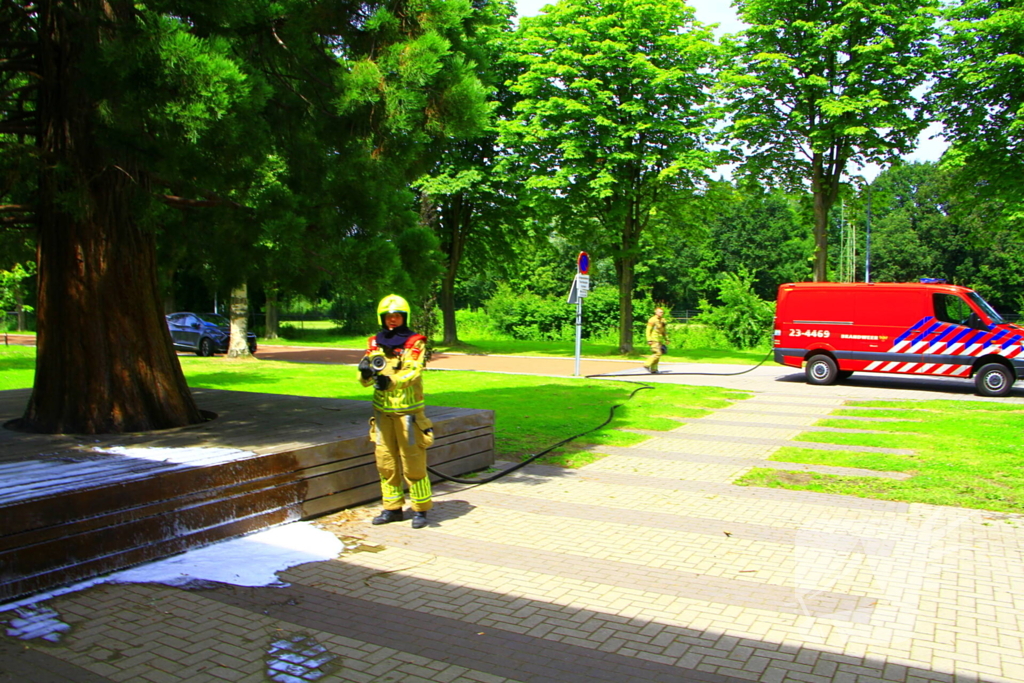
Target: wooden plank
106,519
97,566
70,549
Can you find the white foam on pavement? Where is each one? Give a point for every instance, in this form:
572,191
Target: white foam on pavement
251,560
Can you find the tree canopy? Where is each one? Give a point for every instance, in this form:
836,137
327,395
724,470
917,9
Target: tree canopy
979,96
817,86
613,116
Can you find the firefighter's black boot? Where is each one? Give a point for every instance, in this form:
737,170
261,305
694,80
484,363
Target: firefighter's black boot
419,520
388,516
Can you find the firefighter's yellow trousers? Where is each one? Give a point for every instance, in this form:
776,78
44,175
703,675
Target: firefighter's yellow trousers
401,449
652,361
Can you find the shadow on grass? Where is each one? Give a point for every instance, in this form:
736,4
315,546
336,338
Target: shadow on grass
227,380
27,363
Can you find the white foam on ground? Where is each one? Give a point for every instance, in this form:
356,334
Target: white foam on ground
37,622
251,560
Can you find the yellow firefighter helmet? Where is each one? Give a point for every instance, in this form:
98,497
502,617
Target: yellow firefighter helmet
393,303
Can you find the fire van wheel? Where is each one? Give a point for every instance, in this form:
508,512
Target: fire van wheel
993,379
822,369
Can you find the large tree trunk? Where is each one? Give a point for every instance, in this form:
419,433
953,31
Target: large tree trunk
825,186
19,309
238,346
624,268
104,360
273,313
447,303
454,226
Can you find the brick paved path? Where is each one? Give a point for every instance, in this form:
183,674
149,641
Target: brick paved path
647,565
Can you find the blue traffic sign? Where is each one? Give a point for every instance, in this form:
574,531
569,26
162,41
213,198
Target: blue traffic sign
583,263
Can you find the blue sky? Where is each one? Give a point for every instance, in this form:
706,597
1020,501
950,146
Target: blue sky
721,13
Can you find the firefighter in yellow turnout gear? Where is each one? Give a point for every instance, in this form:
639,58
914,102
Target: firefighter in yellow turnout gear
656,339
393,365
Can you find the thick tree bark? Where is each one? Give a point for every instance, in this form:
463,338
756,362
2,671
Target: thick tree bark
19,309
272,315
104,360
624,268
238,346
447,303
825,186
454,225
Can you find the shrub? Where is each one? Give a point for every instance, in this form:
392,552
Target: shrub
743,317
695,335
529,316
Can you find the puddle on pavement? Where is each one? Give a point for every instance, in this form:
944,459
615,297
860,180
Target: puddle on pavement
36,621
299,659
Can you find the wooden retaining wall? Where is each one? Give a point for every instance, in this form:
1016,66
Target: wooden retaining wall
75,507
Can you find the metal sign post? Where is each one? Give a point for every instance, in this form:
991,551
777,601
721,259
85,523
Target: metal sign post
580,288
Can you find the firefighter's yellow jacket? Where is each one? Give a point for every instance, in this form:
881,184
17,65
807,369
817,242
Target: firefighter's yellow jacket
405,367
657,330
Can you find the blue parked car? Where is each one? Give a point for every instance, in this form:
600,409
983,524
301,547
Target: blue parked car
203,333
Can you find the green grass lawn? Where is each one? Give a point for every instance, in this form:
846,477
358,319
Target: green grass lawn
331,338
967,454
531,413
17,367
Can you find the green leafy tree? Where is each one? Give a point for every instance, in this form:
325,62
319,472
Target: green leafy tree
744,318
923,227
470,206
140,108
761,233
979,96
614,116
818,86
12,293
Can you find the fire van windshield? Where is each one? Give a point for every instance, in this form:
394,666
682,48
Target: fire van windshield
989,311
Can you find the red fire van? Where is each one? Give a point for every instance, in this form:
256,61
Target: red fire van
834,329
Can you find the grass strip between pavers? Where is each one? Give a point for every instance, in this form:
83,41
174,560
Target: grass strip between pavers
966,454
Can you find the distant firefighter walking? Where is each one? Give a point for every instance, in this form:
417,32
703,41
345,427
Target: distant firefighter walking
393,365
657,337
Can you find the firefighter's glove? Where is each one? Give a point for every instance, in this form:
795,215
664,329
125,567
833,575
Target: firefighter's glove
383,382
364,368
664,349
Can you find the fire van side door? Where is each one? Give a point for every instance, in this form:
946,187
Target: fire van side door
891,321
